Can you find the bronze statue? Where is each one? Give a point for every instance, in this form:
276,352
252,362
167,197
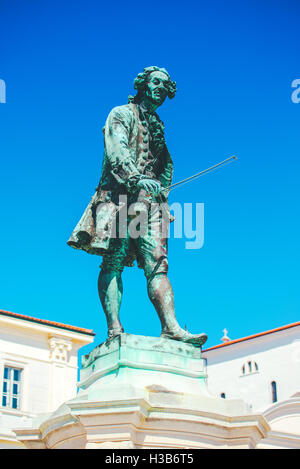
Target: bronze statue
136,164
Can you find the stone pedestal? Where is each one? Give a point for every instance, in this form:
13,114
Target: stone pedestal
146,392
142,362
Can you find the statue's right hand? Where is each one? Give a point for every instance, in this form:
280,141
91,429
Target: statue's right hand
149,185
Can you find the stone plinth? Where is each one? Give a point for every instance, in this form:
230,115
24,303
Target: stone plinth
142,361
146,392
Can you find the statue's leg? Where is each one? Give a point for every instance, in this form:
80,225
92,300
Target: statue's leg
110,288
152,250
161,295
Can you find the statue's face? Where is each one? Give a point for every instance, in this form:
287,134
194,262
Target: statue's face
157,87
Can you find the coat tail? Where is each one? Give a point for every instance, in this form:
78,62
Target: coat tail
96,227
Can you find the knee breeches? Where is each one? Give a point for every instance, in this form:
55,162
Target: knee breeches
150,248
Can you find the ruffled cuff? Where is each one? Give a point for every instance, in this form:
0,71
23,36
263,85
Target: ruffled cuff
131,183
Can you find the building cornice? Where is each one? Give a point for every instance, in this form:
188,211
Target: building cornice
254,336
45,322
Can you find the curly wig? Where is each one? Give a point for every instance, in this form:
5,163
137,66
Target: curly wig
140,83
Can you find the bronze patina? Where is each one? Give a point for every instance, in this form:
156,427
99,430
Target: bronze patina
136,164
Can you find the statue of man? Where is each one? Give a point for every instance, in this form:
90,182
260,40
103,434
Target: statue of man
136,161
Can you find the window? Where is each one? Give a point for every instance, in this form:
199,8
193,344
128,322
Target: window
11,387
274,391
249,367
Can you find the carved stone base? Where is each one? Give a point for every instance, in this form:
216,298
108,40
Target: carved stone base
146,392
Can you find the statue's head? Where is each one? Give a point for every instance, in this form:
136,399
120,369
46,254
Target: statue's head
155,84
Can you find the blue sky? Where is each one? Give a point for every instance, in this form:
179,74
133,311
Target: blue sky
66,64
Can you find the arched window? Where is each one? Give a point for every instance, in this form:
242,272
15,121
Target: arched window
223,395
249,367
274,391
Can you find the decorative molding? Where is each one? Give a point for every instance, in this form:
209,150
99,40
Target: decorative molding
59,349
143,424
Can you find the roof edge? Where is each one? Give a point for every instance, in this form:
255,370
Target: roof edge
46,322
254,336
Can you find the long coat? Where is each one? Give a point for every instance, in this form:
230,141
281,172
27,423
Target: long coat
128,157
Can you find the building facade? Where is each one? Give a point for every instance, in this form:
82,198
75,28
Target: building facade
39,366
263,370
38,369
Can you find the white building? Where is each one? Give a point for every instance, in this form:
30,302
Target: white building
38,373
263,370
38,369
